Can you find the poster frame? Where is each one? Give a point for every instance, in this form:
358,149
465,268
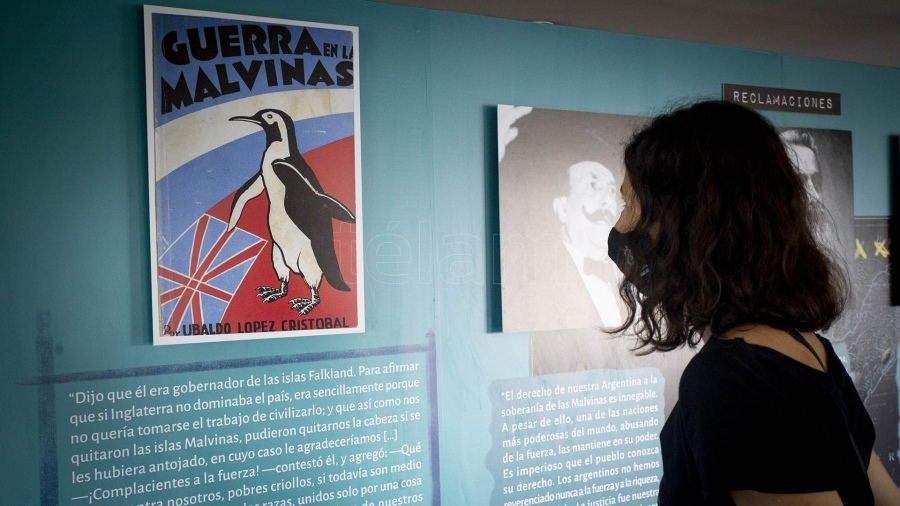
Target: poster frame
162,335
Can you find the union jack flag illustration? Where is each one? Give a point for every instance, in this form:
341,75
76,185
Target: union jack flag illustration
201,271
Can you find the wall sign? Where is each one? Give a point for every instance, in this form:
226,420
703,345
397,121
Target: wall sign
780,99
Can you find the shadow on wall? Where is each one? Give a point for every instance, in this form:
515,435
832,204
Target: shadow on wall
893,222
492,221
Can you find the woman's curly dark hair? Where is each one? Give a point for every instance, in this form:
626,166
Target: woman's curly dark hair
727,232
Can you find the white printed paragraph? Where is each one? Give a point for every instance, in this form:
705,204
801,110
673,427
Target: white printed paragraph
583,439
351,431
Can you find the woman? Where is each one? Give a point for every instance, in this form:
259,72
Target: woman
717,243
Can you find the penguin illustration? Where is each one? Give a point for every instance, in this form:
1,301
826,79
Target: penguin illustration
300,213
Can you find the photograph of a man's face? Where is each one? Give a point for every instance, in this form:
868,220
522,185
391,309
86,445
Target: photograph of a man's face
559,175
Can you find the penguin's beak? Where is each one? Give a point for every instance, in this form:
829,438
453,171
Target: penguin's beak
247,119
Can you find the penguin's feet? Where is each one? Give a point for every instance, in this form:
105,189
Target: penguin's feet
270,294
304,306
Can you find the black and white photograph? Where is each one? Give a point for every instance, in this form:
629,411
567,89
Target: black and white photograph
559,178
825,160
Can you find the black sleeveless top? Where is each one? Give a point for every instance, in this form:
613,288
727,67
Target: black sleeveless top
751,418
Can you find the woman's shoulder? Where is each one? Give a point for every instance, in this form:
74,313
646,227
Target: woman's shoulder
718,368
719,357
793,351
736,371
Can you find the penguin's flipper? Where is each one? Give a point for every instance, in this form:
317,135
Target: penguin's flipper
338,211
329,204
323,248
247,192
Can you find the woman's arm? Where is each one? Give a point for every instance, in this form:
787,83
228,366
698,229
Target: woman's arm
883,487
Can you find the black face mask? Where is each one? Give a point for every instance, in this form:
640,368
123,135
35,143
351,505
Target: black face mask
620,253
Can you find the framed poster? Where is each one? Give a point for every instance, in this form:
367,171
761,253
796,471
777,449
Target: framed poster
254,170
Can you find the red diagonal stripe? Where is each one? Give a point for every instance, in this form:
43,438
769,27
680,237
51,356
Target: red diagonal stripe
197,244
170,295
200,273
214,292
196,308
181,307
169,274
237,259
